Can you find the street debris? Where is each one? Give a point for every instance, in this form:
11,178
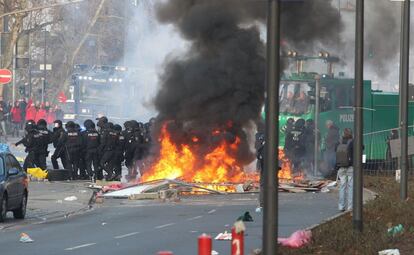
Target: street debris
395,230
25,238
104,223
37,173
246,217
298,239
389,252
71,198
213,252
223,236
258,209
59,201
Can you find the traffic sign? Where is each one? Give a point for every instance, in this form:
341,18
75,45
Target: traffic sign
5,76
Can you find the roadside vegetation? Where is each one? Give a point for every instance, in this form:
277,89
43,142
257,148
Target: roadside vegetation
338,236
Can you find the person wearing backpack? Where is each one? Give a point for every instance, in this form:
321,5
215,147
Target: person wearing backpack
344,161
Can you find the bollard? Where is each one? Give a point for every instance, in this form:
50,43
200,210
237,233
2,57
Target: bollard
204,245
237,242
165,253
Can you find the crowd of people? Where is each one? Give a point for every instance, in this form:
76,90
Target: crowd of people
90,150
14,115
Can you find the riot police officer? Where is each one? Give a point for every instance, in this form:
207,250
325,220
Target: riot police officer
109,140
58,139
73,144
298,144
45,139
31,142
91,140
119,153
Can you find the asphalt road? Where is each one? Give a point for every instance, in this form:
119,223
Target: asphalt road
146,227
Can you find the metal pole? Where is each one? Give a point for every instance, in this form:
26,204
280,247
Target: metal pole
44,70
317,110
14,72
30,67
270,208
358,127
404,79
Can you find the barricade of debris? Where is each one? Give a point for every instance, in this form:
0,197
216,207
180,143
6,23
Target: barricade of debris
168,189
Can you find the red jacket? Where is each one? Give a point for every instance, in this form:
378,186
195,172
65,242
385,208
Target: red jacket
51,117
41,114
16,114
31,113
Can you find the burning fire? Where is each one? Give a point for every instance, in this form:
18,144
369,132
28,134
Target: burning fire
180,162
215,168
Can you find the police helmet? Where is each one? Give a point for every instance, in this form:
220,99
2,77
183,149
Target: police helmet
117,127
41,123
89,124
70,124
57,123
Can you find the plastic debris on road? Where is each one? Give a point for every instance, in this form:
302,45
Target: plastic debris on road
104,223
393,231
25,238
246,217
298,239
213,252
389,252
325,190
71,198
37,173
223,236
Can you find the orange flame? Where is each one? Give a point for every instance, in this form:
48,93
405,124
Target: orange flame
179,161
212,169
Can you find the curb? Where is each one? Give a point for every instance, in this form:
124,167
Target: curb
371,196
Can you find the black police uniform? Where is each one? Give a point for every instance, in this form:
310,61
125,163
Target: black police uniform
73,144
109,140
58,140
119,153
91,140
44,140
31,142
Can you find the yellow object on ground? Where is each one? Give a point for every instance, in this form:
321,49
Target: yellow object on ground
37,172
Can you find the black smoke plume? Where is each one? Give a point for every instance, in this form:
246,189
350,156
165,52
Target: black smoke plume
219,82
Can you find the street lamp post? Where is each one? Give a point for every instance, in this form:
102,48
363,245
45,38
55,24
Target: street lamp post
44,69
404,78
270,195
359,85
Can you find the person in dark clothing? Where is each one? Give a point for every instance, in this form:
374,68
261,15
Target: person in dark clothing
73,144
83,175
91,139
130,147
331,141
298,145
58,140
310,135
289,137
45,139
23,106
109,140
101,123
31,142
260,141
119,153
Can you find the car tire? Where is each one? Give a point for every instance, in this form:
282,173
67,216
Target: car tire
3,208
20,213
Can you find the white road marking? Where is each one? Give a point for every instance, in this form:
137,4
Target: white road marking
165,225
196,217
126,235
79,246
212,211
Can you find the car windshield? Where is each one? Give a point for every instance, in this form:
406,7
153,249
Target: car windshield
293,97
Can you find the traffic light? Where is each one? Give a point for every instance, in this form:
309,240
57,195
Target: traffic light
22,90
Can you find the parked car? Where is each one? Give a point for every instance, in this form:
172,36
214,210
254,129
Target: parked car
13,187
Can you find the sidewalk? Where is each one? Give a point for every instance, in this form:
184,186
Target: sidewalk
47,202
